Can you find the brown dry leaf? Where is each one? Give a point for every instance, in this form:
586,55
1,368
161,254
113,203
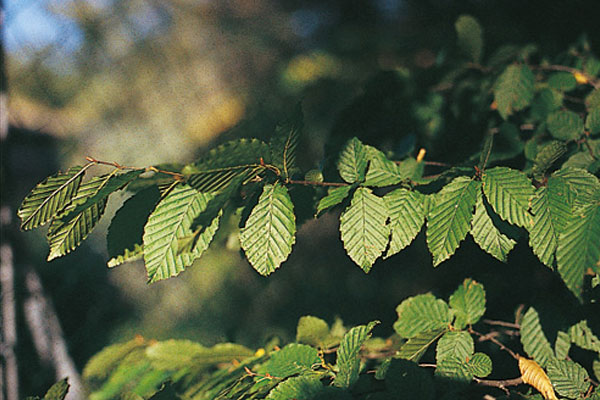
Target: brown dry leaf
535,376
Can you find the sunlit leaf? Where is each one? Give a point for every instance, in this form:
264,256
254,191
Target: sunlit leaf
291,360
487,235
270,230
298,387
363,228
568,378
49,197
469,37
508,191
352,162
480,365
170,221
420,314
455,344
535,376
177,354
582,336
334,197
405,208
415,347
284,142
311,330
348,361
450,218
533,339
468,303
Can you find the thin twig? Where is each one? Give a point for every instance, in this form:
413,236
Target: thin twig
315,183
500,384
115,164
564,68
483,337
502,323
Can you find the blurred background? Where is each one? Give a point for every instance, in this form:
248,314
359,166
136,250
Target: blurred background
143,82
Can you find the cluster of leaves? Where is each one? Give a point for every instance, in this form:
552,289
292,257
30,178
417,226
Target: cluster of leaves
431,355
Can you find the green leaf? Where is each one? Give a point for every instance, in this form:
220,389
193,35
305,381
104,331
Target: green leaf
291,360
470,37
170,221
592,121
562,345
406,212
568,378
514,89
223,164
508,191
415,347
480,365
468,303
270,230
579,247
546,101
585,185
454,368
334,197
65,235
593,99
312,331
106,185
406,380
565,125
533,339
455,344
450,217
103,363
563,81
348,361
49,197
551,207
582,336
178,354
299,387
547,156
126,230
487,235
284,142
353,161
381,172
363,228
596,368
58,391
420,314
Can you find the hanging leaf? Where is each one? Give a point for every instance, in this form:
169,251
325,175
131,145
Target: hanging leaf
100,366
405,208
291,360
270,230
455,345
508,191
579,247
568,378
334,197
284,142
585,185
415,347
49,197
547,156
298,387
455,369
533,339
487,235
353,161
468,303
80,217
514,89
551,207
565,125
170,221
470,37
348,361
177,354
532,374
450,217
58,391
562,345
563,81
312,331
422,313
363,228
582,336
480,365
381,172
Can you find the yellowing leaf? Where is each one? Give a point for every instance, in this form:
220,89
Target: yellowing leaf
535,376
